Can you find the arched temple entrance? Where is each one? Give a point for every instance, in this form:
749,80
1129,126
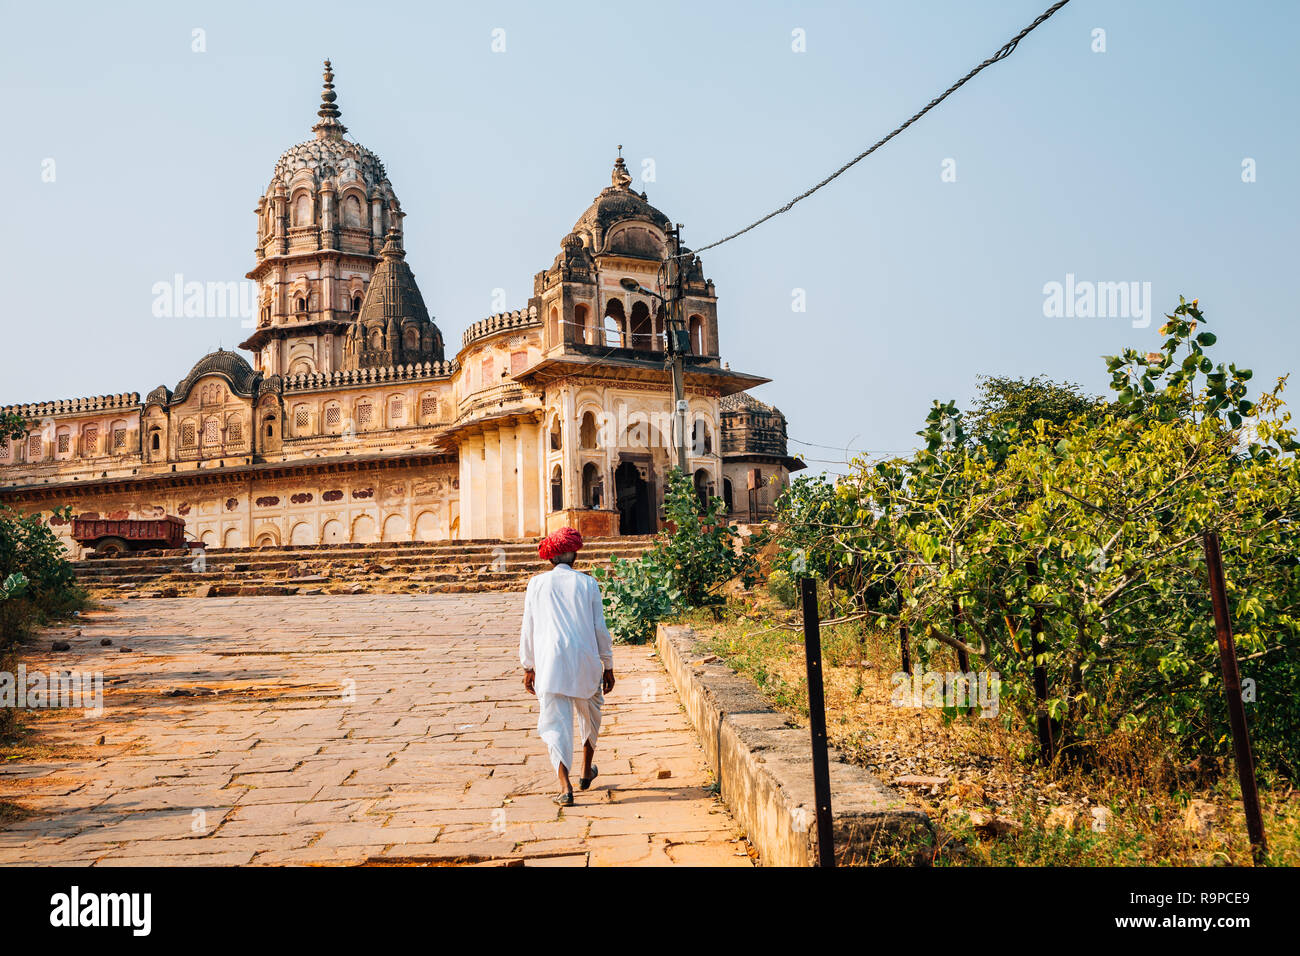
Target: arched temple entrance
634,498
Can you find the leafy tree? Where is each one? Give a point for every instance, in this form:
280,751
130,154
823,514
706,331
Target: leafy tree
36,579
1005,402
1065,555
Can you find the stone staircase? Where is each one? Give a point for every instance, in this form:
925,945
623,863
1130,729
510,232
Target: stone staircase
399,567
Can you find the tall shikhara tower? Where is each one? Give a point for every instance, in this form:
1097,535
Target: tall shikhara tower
329,220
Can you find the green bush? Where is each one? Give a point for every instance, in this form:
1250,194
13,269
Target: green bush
685,569
637,595
1066,555
36,579
782,587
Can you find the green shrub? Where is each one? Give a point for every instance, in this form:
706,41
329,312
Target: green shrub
782,587
637,595
685,569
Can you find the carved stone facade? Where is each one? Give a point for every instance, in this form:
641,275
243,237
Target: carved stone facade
349,423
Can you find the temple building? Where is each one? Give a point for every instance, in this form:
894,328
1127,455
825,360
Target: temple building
348,421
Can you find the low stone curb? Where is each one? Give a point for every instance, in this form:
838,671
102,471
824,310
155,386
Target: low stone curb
764,768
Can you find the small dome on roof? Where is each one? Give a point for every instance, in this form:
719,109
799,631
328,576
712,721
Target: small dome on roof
616,204
229,365
744,402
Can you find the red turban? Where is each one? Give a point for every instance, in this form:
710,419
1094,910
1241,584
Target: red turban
561,542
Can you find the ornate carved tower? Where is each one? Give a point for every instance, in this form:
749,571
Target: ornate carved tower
323,223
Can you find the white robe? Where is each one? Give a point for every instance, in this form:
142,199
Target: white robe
555,724
563,636
564,639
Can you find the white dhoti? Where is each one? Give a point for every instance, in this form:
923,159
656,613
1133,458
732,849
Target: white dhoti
555,724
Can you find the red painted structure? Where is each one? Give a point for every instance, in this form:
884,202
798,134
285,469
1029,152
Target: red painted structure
132,534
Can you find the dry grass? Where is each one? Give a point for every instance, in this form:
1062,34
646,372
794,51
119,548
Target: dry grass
994,805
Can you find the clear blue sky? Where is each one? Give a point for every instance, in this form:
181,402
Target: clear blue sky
1117,166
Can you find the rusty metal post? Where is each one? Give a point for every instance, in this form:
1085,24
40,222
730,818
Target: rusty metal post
963,659
1038,647
812,642
1232,688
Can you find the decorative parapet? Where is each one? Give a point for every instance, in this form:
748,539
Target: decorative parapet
491,399
416,371
501,322
71,406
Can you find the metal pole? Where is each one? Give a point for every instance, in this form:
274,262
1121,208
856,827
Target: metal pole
812,642
963,659
675,357
1232,688
1038,648
904,652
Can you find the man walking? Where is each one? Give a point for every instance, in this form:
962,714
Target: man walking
568,657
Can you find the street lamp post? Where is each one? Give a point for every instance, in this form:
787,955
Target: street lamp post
677,345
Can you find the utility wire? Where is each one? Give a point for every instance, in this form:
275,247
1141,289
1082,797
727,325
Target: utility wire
1007,49
857,451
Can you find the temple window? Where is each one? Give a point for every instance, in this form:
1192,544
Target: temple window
234,432
301,418
588,432
33,447
592,487
188,435
642,333
211,432
557,489
701,438
703,488
333,415
352,212
155,440
580,322
555,434
365,412
90,440
614,319
63,443
119,439
696,328
428,406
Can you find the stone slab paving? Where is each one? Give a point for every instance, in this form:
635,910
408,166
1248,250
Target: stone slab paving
344,730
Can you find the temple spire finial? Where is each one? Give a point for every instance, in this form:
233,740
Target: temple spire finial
329,125
620,178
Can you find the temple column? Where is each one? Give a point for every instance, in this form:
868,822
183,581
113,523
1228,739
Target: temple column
569,444
529,463
509,460
492,482
543,476
471,452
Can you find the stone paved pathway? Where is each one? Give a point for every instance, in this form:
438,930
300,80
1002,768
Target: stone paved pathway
342,730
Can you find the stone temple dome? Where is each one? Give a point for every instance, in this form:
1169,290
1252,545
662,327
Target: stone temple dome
392,326
329,155
621,221
229,365
327,188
